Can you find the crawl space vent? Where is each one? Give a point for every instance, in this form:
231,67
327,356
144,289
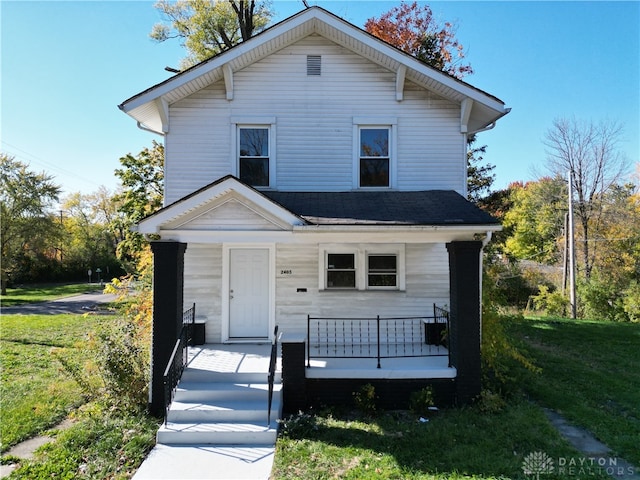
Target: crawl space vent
314,65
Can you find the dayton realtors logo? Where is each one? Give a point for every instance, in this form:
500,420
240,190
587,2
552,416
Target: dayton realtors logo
539,463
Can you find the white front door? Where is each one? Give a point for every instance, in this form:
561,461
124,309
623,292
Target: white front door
248,293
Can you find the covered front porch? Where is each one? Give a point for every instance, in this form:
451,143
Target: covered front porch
328,381
254,358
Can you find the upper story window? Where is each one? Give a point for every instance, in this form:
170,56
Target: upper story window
254,158
253,152
374,157
374,152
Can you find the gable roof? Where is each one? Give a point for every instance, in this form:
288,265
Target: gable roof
207,198
150,107
431,207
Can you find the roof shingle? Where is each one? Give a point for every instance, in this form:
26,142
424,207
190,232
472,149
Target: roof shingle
431,207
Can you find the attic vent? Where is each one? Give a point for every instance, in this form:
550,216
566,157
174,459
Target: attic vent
314,65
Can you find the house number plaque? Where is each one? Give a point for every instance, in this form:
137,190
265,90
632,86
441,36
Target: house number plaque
286,272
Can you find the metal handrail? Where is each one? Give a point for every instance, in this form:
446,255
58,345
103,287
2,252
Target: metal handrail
176,364
272,372
392,337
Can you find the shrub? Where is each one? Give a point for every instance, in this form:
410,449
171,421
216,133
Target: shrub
490,402
420,401
552,303
298,426
602,299
118,373
365,399
498,352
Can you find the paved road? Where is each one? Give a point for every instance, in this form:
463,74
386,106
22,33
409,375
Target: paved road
78,304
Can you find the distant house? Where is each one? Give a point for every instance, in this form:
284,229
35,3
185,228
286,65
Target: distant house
314,175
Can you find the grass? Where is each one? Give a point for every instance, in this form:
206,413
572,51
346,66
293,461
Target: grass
44,292
456,443
590,374
35,395
99,445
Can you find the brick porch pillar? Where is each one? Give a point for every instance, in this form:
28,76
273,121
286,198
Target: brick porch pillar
464,334
168,281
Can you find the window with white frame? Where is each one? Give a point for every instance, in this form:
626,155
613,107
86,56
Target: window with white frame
382,271
362,267
341,270
254,155
374,156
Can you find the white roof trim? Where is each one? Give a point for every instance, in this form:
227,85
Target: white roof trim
228,186
143,108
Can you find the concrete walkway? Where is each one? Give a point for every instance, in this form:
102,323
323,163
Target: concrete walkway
587,444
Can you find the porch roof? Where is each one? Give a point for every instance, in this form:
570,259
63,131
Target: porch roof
430,207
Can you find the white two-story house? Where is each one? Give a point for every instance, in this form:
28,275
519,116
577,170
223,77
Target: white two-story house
315,173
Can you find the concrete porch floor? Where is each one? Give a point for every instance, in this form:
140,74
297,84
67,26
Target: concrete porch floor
232,358
252,358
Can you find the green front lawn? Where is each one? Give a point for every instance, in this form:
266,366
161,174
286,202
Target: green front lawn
590,374
44,292
34,393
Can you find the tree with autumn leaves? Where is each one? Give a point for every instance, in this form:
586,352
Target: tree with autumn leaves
413,29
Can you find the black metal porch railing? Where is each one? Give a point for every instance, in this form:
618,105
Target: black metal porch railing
378,337
272,371
179,357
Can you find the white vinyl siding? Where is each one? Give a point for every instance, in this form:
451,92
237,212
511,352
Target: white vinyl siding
315,135
203,286
297,293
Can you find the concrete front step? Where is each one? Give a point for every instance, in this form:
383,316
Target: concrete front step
228,410
205,391
202,375
217,433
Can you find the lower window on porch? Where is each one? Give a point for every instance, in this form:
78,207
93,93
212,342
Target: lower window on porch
382,271
341,270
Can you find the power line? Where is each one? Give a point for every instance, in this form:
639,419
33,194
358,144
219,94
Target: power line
31,158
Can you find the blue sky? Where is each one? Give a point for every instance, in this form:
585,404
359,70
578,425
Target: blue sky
67,65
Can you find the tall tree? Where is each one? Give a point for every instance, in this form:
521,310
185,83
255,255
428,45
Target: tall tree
590,153
536,220
413,29
208,27
480,177
25,201
89,241
142,179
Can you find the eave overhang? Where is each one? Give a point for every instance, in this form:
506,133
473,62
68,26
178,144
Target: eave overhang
148,108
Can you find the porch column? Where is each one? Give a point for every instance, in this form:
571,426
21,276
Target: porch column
168,280
464,329
294,391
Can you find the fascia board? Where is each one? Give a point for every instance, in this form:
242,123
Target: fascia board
314,235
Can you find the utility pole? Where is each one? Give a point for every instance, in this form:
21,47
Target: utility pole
572,254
